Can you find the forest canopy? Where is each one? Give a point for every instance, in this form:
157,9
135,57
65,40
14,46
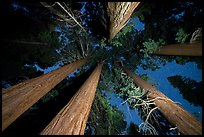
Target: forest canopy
102,41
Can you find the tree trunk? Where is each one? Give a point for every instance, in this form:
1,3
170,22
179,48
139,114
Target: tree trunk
118,15
18,98
177,116
191,49
71,120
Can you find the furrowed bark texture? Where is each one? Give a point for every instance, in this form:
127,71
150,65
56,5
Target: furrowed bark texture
191,49
118,15
177,116
18,98
71,120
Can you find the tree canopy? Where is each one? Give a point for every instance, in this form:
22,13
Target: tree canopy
185,85
40,35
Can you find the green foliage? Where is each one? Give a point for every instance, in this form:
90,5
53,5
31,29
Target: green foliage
158,60
190,89
106,81
166,21
104,118
49,96
126,30
151,46
144,77
126,88
103,44
116,43
141,17
181,36
116,80
150,80
151,64
98,56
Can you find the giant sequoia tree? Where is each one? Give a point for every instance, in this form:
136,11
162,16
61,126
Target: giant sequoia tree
19,98
48,33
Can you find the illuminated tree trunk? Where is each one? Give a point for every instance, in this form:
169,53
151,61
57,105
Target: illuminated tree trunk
177,116
118,15
191,49
18,98
71,120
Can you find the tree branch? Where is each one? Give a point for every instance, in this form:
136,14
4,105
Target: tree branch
71,16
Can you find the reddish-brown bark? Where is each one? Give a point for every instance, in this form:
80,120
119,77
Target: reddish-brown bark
18,98
71,120
191,49
176,115
119,13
